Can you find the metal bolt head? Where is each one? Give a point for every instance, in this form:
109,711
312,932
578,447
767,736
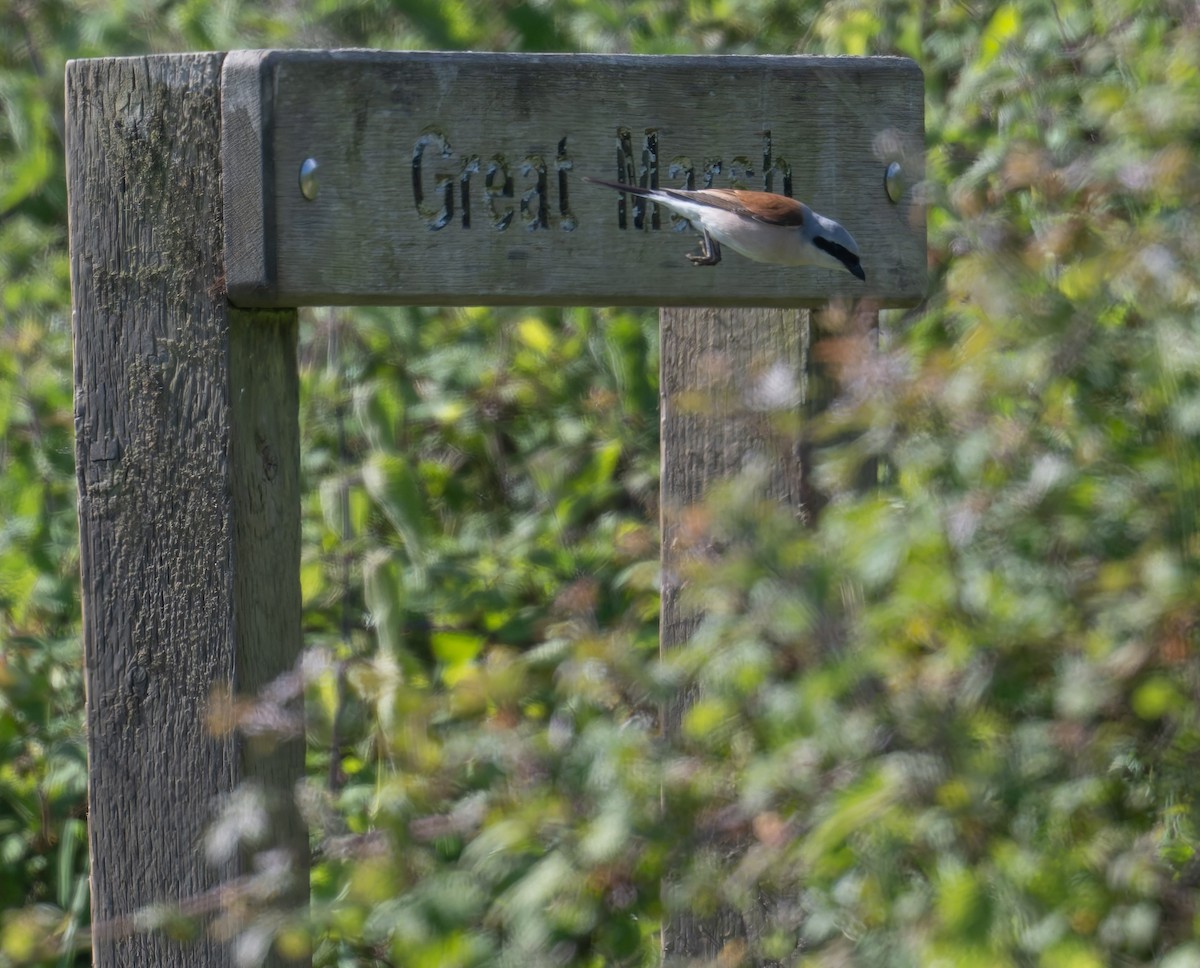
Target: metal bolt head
308,178
893,181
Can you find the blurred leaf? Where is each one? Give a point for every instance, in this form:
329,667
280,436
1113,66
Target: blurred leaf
391,482
1004,25
456,648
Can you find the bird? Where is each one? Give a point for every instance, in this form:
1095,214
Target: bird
762,226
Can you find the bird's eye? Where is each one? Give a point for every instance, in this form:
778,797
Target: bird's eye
839,252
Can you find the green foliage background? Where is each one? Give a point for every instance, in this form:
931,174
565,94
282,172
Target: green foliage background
954,724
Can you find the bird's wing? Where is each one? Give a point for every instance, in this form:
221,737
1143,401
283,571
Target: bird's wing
761,206
766,207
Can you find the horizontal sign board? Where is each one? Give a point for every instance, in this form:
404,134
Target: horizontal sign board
355,177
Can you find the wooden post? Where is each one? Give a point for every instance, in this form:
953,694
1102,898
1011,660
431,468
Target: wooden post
725,374
188,470
288,178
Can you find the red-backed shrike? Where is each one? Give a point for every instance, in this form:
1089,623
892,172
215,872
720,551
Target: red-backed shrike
762,226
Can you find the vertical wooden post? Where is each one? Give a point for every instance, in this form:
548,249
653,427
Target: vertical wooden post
717,370
726,374
188,470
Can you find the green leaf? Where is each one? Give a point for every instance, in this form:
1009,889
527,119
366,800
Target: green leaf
393,485
456,648
1003,27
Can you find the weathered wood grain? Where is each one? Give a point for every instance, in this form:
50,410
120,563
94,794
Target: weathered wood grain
726,376
737,386
187,462
455,178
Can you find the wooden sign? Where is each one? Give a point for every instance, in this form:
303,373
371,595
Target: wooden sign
357,177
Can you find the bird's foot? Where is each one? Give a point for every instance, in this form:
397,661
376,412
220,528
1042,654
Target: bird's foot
710,252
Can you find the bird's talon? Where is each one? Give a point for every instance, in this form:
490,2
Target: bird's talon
710,252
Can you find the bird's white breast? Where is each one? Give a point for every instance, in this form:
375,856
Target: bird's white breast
774,244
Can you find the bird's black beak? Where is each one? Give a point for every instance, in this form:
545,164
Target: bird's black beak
856,268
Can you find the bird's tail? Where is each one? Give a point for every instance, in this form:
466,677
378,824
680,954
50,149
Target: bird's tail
631,189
